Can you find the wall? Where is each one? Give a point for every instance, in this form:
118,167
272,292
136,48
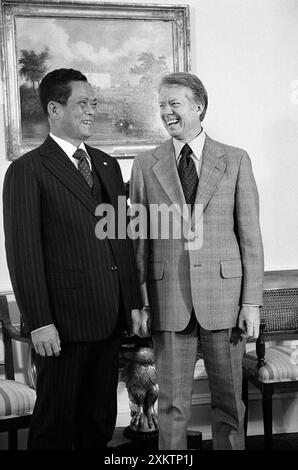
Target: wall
245,52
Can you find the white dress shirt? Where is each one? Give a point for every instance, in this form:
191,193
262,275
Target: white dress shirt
70,149
196,145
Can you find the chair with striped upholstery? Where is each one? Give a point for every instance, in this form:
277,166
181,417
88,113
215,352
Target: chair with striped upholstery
16,399
273,367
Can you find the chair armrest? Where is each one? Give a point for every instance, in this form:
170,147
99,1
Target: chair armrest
14,332
9,330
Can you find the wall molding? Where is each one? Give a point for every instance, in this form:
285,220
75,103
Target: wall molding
281,279
202,399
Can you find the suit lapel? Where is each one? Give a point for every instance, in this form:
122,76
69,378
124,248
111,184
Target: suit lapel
212,169
166,172
58,163
105,172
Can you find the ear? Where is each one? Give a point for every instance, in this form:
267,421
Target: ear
54,109
200,108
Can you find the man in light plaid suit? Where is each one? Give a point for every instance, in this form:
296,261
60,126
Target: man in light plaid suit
207,283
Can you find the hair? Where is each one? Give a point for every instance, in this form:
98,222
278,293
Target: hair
55,86
190,81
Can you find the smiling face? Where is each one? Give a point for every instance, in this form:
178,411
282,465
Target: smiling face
74,121
179,112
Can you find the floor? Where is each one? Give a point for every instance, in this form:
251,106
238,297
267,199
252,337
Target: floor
280,442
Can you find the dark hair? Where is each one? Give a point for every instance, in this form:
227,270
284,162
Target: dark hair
55,86
191,81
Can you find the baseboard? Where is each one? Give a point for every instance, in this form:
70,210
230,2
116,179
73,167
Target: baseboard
285,410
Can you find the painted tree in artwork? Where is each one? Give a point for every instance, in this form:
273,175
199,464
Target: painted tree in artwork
136,110
33,66
150,69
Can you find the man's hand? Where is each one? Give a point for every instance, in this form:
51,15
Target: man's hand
46,341
141,322
249,321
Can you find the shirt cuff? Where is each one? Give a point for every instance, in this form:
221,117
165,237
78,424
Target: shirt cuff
41,328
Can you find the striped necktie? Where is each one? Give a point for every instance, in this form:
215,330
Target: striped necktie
83,166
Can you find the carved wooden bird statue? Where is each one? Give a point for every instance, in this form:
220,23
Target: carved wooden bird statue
138,373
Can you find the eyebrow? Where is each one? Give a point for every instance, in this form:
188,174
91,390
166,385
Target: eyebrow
170,100
92,100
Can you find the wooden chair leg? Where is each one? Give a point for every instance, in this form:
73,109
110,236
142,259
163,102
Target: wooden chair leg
245,401
267,418
13,439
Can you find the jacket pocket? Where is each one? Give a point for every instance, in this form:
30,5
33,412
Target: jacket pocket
231,268
69,280
156,271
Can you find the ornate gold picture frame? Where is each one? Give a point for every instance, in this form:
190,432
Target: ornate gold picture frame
123,49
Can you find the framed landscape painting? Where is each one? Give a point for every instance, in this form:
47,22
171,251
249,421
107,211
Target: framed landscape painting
123,49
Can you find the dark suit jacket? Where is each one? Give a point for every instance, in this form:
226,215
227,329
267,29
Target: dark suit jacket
60,271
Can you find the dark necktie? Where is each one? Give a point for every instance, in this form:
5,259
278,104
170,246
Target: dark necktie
188,175
83,166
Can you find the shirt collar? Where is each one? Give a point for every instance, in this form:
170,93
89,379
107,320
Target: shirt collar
196,145
67,147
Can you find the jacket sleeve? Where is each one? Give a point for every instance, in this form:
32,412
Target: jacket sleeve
249,233
135,294
138,199
23,243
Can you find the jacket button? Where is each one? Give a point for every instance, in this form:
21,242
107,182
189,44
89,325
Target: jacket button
114,268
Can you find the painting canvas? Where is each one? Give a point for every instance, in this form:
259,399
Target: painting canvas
123,57
122,60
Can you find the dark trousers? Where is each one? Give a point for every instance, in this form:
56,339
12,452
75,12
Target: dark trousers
76,405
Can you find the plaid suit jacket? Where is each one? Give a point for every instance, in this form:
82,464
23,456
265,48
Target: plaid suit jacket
225,267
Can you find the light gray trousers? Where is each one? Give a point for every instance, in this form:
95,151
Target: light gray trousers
175,356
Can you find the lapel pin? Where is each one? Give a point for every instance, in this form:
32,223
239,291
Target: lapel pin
105,163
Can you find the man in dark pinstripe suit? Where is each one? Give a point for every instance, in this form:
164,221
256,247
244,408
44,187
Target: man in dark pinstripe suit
75,292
